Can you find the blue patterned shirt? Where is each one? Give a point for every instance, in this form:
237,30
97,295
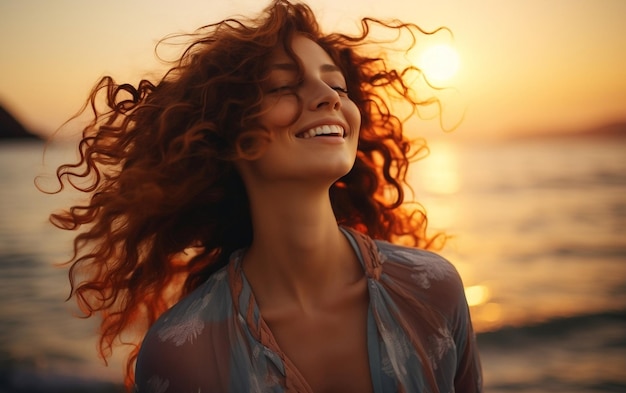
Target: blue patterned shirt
215,339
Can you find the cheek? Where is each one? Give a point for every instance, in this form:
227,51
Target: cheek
281,112
353,116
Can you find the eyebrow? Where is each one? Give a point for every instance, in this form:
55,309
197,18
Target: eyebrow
284,66
330,68
293,67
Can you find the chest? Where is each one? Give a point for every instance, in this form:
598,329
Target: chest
328,349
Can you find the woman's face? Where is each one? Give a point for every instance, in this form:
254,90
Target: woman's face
313,123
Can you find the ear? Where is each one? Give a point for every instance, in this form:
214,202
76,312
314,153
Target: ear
251,145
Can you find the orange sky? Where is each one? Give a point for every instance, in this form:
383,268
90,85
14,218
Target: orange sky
525,65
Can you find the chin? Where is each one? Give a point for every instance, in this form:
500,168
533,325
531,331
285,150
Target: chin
340,171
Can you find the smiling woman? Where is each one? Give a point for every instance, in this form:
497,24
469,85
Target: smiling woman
249,199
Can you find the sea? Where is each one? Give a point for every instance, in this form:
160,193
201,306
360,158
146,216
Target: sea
536,228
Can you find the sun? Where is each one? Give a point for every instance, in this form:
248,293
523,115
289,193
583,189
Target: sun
439,63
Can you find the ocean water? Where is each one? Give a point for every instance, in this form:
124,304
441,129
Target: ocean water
537,232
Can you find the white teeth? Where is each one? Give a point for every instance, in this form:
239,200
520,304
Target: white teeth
322,130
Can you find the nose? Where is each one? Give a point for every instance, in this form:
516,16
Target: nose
324,97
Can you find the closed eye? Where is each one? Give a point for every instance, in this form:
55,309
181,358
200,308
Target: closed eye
340,89
282,89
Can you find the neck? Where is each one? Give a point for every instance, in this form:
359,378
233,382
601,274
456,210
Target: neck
298,253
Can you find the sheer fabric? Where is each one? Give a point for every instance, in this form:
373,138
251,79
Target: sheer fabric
215,339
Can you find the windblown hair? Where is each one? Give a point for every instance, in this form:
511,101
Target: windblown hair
166,204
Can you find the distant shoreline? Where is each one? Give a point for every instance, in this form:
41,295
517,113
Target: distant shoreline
12,129
605,131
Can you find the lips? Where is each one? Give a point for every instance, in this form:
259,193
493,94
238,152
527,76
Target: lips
322,131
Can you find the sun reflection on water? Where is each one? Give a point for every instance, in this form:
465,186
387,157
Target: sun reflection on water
438,174
486,314
476,295
435,181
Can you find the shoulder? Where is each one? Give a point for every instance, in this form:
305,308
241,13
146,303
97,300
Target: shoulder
187,318
425,266
414,278
175,342
422,274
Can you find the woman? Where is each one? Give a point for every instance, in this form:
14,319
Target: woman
246,188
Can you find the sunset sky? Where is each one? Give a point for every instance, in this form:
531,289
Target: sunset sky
525,66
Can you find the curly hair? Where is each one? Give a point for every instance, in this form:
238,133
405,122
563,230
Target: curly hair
166,204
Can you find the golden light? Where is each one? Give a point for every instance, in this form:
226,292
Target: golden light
492,312
439,62
439,172
476,295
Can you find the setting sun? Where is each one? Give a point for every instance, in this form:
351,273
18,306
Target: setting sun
439,62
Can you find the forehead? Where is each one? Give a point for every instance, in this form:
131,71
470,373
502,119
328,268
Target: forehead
307,51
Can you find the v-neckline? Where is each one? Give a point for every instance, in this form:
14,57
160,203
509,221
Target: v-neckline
260,330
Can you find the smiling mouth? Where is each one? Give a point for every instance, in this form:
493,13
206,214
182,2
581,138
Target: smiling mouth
323,131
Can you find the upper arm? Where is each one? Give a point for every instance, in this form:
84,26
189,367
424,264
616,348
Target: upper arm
468,377
163,367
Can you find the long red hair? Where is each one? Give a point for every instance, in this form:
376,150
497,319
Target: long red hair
166,205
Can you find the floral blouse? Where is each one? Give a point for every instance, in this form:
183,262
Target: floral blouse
215,339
